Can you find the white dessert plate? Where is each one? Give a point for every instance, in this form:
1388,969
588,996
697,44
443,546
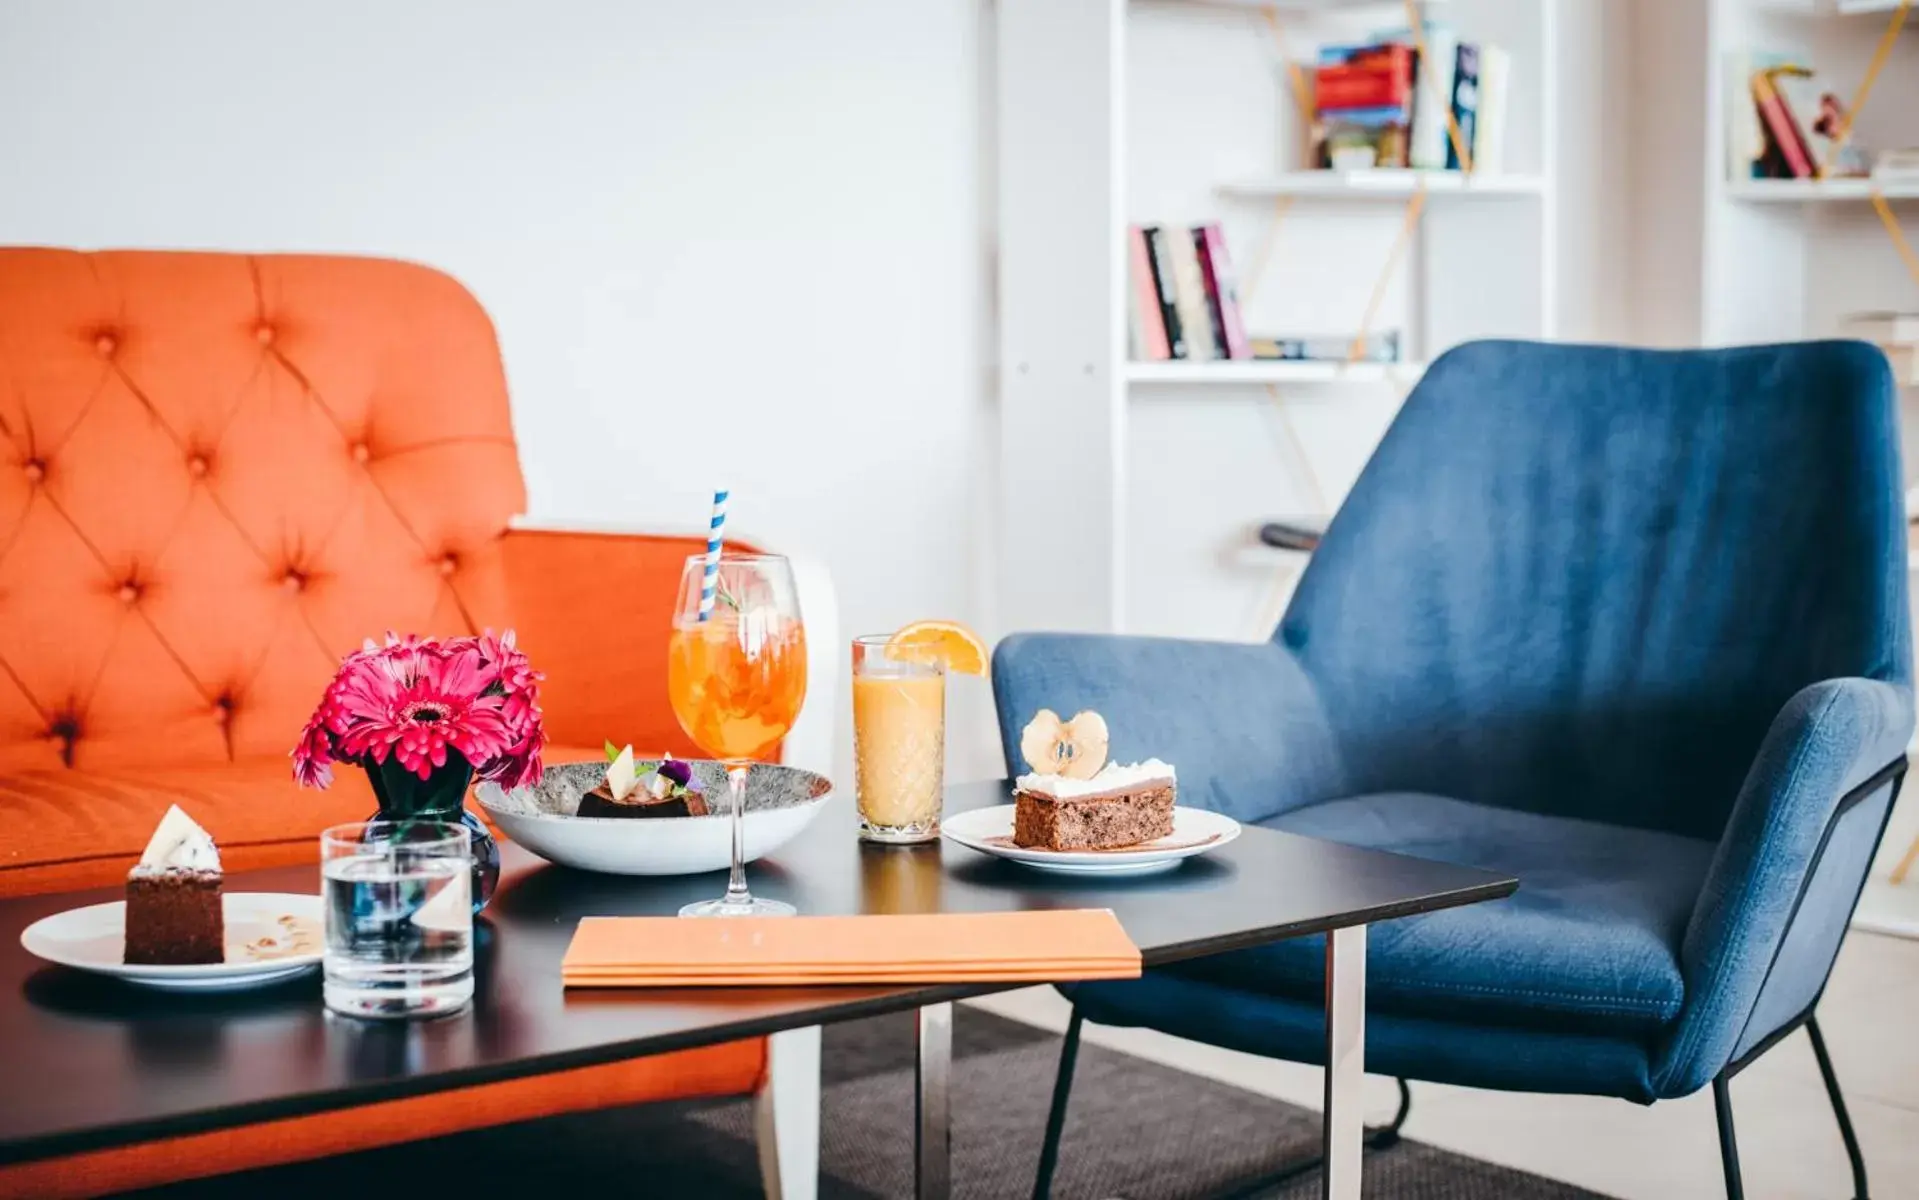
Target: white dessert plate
270,936
990,831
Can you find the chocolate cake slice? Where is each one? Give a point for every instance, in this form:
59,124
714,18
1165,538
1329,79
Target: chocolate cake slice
600,803
174,907
1121,806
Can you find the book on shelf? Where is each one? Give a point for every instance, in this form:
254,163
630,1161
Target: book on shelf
1896,166
1159,259
1884,327
1465,102
1376,104
1189,296
1222,291
1145,325
1896,334
1433,77
1182,295
1783,123
1381,347
1363,106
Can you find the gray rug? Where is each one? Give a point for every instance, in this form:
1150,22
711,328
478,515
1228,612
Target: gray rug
1135,1130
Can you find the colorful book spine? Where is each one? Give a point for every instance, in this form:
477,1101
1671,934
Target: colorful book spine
1806,103
1189,293
1147,325
1495,91
1779,124
1433,98
1374,76
1159,257
1381,347
1465,103
1222,290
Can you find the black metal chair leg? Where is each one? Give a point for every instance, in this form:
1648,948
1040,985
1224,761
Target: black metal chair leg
1728,1146
1857,1159
1056,1117
1388,1134
1377,1138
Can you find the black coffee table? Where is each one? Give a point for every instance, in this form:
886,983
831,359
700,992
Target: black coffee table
113,1065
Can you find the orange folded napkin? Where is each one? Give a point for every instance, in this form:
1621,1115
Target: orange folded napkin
1050,946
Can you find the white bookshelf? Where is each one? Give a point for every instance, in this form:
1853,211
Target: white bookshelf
1819,191
1392,185
1178,112
1782,259
1256,372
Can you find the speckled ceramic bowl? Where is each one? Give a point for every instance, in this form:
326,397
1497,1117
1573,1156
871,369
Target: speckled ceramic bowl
780,801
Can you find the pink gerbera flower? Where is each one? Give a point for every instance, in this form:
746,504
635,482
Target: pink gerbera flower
422,702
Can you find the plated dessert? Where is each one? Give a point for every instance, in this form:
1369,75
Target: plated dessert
174,909
1075,813
666,791
1073,799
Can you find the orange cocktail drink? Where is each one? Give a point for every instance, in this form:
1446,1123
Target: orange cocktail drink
737,680
736,677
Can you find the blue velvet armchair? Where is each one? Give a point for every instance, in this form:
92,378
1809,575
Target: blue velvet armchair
1629,625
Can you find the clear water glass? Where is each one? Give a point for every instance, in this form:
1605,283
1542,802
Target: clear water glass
398,915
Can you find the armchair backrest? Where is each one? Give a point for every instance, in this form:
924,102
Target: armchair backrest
1583,580
220,472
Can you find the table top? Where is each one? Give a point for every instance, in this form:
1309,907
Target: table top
113,1064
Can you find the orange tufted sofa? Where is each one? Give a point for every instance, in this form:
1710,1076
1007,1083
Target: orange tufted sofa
218,473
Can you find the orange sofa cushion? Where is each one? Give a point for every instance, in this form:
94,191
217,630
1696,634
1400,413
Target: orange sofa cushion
725,1070
219,473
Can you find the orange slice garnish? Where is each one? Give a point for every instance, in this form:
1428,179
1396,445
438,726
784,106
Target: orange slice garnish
949,643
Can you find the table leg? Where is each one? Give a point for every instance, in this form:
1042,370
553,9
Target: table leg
932,1108
1343,1123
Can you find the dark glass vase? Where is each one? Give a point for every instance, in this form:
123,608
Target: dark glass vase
439,797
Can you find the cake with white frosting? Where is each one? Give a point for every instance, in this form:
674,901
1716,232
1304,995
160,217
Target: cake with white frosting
1073,799
173,897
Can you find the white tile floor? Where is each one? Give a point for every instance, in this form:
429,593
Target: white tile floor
1789,1145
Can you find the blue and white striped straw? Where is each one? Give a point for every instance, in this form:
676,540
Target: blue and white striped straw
715,535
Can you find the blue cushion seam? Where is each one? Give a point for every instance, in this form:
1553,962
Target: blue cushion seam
1583,998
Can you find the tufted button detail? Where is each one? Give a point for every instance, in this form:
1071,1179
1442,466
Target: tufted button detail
36,470
223,710
294,580
105,345
448,565
129,591
360,453
264,335
197,466
65,729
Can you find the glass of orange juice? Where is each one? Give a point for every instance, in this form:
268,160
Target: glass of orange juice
736,676
899,741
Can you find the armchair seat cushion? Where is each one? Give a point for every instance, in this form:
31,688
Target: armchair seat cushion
1590,942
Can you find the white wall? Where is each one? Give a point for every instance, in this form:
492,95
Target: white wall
736,242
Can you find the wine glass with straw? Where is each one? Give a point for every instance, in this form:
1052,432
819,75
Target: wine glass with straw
736,676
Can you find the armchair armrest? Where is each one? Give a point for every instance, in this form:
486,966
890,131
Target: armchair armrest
593,604
1241,722
1787,873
